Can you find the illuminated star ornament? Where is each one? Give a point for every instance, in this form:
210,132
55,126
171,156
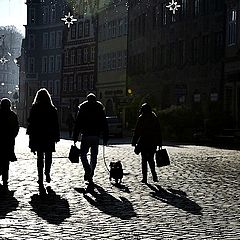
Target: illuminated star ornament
68,19
3,60
173,6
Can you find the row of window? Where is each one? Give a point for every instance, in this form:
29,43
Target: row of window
137,27
200,50
48,14
112,61
50,40
196,98
77,56
50,64
196,7
79,82
162,16
53,86
115,28
80,29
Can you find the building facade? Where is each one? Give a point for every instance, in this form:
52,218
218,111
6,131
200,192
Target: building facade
44,48
10,49
112,56
232,64
177,59
79,62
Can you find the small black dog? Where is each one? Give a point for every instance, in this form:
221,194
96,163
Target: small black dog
116,171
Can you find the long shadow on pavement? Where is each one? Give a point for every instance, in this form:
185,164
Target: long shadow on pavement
105,202
8,202
50,206
175,198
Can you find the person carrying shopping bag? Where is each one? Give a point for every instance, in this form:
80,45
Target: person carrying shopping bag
147,136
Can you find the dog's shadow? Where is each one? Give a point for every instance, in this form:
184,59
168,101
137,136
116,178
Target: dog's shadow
117,207
121,187
175,198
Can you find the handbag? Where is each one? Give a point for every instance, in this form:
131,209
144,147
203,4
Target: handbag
74,154
137,149
162,158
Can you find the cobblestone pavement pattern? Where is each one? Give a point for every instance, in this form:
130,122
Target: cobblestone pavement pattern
197,197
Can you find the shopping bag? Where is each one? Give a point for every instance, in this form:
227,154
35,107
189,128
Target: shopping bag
74,154
162,158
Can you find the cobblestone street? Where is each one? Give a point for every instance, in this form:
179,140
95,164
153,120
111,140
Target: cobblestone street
197,197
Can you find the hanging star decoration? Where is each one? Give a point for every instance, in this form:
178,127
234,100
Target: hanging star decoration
3,60
173,6
68,19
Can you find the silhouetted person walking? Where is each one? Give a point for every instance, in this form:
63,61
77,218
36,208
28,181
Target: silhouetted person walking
43,131
9,128
148,136
91,122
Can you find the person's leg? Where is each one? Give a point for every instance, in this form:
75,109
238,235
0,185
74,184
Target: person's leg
5,170
84,148
151,163
94,153
40,165
144,166
48,164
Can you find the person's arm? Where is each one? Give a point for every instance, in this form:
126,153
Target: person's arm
57,129
136,134
29,121
77,127
16,125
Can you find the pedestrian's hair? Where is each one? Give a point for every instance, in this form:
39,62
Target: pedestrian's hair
5,103
43,97
91,97
145,109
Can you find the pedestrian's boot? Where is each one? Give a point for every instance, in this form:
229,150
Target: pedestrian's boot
48,178
154,176
40,179
5,186
144,179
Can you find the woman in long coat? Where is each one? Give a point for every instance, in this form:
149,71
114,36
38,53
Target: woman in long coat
147,136
43,131
9,128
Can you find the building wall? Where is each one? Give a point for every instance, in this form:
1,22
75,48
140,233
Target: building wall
232,64
112,56
177,59
43,48
79,69
10,48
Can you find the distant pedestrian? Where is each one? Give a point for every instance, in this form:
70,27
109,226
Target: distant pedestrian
91,122
43,131
9,128
70,124
147,136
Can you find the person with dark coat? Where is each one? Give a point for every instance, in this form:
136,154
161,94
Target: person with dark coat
91,122
9,128
43,131
147,136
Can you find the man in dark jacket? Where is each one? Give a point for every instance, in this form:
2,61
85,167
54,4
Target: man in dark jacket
91,122
9,128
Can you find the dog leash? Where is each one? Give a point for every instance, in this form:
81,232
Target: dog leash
104,159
